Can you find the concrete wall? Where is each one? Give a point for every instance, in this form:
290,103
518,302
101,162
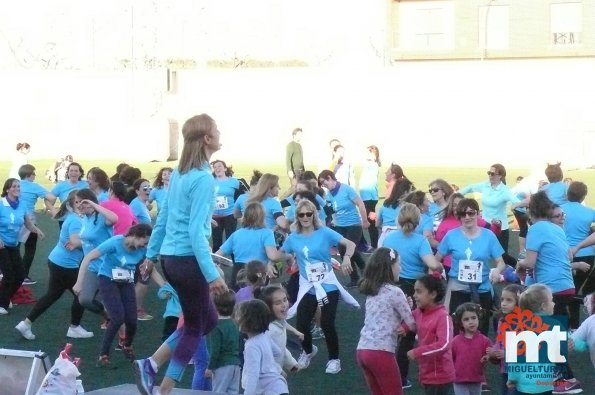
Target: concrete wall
448,113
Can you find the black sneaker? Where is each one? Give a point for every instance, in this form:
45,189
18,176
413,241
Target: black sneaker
29,281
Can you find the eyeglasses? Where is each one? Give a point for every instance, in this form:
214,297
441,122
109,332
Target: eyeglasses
468,213
492,173
147,188
308,214
434,190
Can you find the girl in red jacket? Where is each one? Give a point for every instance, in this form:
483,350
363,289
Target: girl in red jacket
434,333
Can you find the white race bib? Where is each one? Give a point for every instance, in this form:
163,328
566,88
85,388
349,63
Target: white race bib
470,271
122,275
315,271
221,202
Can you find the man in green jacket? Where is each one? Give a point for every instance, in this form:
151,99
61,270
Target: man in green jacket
294,157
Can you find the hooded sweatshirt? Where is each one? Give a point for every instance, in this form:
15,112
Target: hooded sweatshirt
433,352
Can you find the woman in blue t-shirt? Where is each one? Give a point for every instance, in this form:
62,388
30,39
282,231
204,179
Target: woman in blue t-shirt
311,243
160,187
251,242
13,215
140,204
416,259
74,180
368,191
265,193
120,255
97,227
99,183
227,189
389,211
63,265
350,217
473,249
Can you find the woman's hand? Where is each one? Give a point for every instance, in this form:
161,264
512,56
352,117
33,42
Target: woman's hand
40,234
495,276
346,265
77,288
218,287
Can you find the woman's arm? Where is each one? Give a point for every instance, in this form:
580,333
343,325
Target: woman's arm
500,267
432,263
83,270
349,251
110,217
529,261
33,228
362,211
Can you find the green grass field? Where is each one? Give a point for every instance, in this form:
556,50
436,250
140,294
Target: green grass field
52,326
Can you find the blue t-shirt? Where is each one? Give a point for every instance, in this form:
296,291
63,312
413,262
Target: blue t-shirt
63,188
315,247
140,211
30,192
426,224
556,191
93,233
346,211
368,182
225,196
116,255
577,226
553,266
11,222
272,210
247,244
103,196
158,195
484,248
493,200
240,203
389,215
411,249
60,255
437,213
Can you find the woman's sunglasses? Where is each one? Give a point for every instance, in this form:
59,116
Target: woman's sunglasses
308,214
434,190
147,188
468,213
492,173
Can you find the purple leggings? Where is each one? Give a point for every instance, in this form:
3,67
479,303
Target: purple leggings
200,315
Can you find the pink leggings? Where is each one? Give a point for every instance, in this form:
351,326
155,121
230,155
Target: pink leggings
381,372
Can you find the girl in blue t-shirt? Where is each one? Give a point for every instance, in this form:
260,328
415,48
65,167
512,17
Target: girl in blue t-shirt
387,216
120,255
251,242
97,227
63,265
74,181
140,204
99,183
13,215
265,193
160,187
227,189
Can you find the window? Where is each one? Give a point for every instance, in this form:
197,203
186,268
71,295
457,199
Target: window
566,23
493,27
426,25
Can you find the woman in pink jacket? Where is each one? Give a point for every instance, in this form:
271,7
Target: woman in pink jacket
434,334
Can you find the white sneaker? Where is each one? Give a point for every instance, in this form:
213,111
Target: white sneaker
25,330
304,359
333,366
78,332
3,310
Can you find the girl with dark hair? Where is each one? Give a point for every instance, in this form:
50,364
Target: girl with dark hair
139,205
63,265
434,332
120,254
386,309
556,188
99,183
389,211
97,227
160,187
13,215
240,201
116,204
226,190
74,180
393,174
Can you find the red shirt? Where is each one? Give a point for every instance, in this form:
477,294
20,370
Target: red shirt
466,355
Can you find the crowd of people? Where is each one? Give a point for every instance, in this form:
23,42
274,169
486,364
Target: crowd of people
427,268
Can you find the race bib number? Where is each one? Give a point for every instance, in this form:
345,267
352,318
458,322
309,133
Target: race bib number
221,203
122,275
470,271
315,272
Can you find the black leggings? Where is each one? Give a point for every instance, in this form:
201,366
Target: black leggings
227,224
61,279
305,312
353,233
30,248
584,285
438,389
372,230
11,267
561,307
407,342
503,239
